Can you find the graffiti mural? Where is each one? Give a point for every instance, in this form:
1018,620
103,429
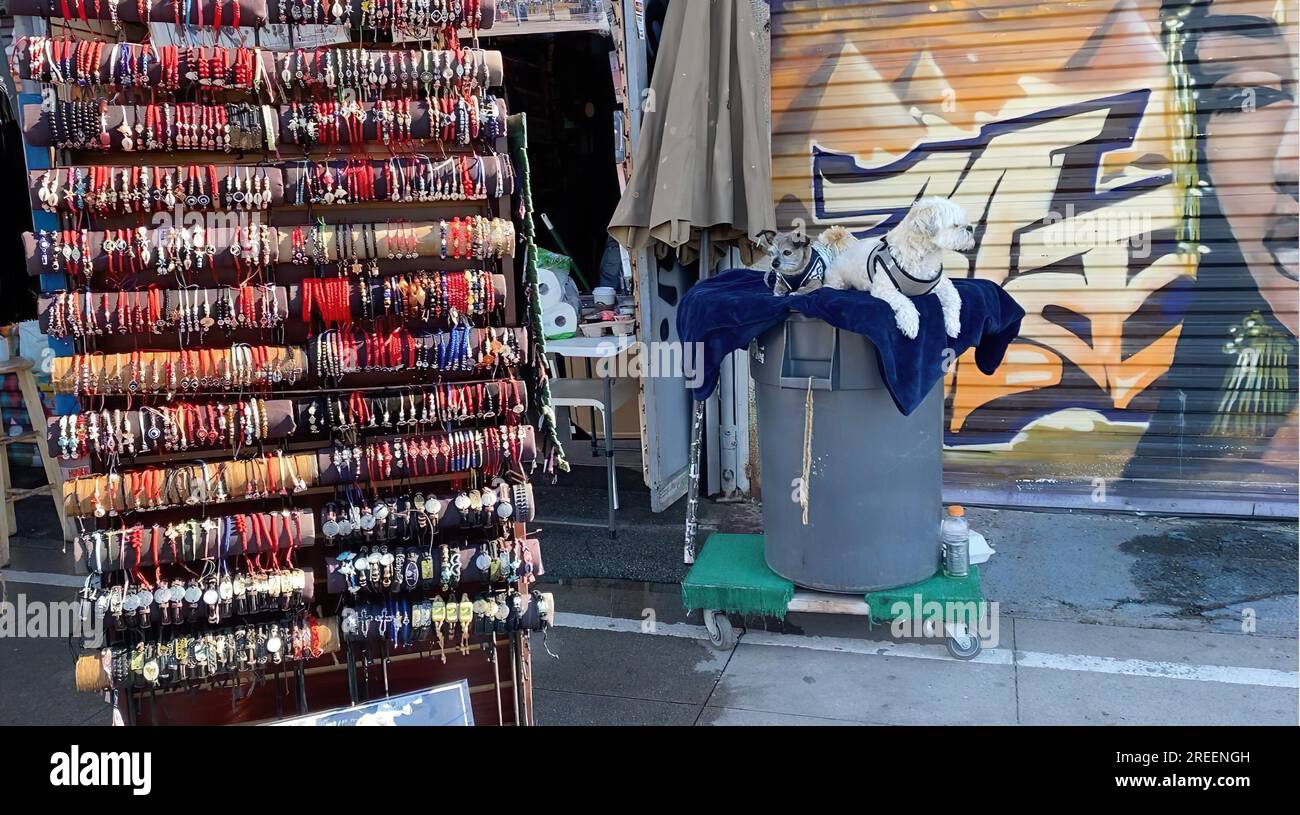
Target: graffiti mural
1131,166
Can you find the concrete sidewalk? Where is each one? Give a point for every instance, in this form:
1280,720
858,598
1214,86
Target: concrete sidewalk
1104,619
621,670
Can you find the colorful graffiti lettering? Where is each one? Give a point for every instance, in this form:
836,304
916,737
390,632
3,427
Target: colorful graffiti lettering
1081,138
1040,254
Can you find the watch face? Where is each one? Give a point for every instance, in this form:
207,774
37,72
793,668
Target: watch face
192,595
211,597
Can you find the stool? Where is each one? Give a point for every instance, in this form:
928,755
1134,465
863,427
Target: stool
23,369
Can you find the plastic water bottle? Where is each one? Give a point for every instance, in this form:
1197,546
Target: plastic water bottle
956,542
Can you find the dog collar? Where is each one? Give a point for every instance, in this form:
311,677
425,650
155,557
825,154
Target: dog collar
883,259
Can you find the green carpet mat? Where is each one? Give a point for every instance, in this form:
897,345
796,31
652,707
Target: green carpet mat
939,588
730,575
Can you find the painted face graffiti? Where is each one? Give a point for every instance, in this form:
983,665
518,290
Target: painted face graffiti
1247,62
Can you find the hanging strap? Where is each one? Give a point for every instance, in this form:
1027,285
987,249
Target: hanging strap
807,450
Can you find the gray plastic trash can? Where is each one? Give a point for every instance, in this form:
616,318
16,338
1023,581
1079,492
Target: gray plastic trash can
875,481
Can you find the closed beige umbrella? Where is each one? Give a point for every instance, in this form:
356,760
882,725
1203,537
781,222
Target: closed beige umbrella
703,161
702,175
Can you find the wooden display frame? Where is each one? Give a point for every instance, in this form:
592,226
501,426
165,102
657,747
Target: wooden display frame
81,496
280,419
290,331
425,235
288,359
38,129
272,66
487,13
273,173
251,12
505,674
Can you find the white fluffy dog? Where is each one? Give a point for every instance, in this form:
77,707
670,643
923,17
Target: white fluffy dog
907,262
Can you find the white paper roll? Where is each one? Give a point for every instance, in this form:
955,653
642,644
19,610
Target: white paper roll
559,320
550,290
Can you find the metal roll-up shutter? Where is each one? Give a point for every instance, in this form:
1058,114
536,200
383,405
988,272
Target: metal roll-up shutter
1131,168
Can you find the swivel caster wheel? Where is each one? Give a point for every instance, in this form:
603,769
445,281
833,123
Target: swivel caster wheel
965,645
721,634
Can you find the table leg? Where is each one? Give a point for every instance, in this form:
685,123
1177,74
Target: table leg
591,415
609,450
36,416
6,527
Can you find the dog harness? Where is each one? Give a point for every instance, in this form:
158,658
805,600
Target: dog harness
881,259
809,277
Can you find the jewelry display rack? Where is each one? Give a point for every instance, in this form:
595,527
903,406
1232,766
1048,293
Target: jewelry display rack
301,389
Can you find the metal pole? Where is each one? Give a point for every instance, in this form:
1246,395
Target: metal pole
697,423
726,441
514,676
693,482
496,678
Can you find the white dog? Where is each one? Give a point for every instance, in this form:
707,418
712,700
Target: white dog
907,262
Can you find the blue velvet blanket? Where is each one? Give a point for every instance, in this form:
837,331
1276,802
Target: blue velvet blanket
728,310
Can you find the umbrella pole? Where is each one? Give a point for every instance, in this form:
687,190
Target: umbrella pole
693,482
697,431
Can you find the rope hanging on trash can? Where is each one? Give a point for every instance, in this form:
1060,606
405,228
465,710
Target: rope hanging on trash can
807,450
